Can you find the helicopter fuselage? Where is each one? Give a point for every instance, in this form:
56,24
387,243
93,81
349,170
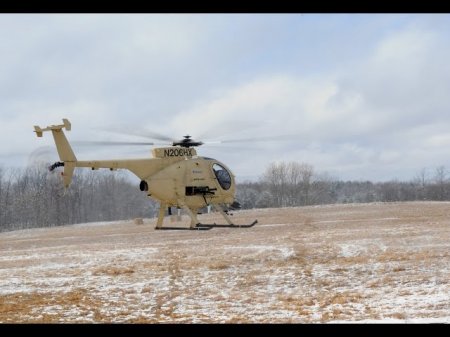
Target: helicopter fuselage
176,176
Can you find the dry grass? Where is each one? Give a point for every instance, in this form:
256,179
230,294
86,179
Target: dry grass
15,306
309,264
113,271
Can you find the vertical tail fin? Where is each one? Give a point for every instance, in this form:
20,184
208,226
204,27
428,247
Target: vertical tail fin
63,147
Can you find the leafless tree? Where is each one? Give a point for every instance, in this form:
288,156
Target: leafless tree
33,197
439,190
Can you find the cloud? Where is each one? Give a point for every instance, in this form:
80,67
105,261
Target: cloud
366,95
363,118
274,105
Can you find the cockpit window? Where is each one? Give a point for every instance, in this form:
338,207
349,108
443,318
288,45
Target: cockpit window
222,175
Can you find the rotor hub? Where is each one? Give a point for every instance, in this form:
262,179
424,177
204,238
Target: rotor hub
187,142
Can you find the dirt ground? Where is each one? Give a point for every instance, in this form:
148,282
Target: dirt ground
381,262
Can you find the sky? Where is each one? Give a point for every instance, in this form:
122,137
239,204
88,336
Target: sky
361,96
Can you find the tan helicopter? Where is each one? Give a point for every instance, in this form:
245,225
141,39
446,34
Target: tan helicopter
176,177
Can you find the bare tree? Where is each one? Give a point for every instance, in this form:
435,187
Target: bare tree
275,179
33,197
306,172
439,192
421,181
289,183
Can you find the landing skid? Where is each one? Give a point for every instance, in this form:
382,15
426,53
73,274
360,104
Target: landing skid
195,225
198,228
200,225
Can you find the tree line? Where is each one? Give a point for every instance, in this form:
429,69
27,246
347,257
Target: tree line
34,197
298,184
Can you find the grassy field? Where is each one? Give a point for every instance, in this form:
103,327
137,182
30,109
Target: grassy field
382,262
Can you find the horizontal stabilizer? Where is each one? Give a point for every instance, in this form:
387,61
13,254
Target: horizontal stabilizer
38,131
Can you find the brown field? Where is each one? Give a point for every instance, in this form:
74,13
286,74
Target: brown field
354,263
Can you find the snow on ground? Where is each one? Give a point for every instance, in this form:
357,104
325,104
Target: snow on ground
362,263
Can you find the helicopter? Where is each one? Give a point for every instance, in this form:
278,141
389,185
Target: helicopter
175,177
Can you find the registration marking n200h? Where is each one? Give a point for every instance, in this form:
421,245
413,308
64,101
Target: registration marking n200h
177,152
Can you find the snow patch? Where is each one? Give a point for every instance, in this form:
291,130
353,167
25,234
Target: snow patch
349,250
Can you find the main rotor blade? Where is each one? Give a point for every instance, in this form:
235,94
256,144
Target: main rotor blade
257,139
135,131
109,143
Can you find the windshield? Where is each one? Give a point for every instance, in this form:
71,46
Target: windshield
222,175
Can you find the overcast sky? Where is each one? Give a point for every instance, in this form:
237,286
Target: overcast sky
367,95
